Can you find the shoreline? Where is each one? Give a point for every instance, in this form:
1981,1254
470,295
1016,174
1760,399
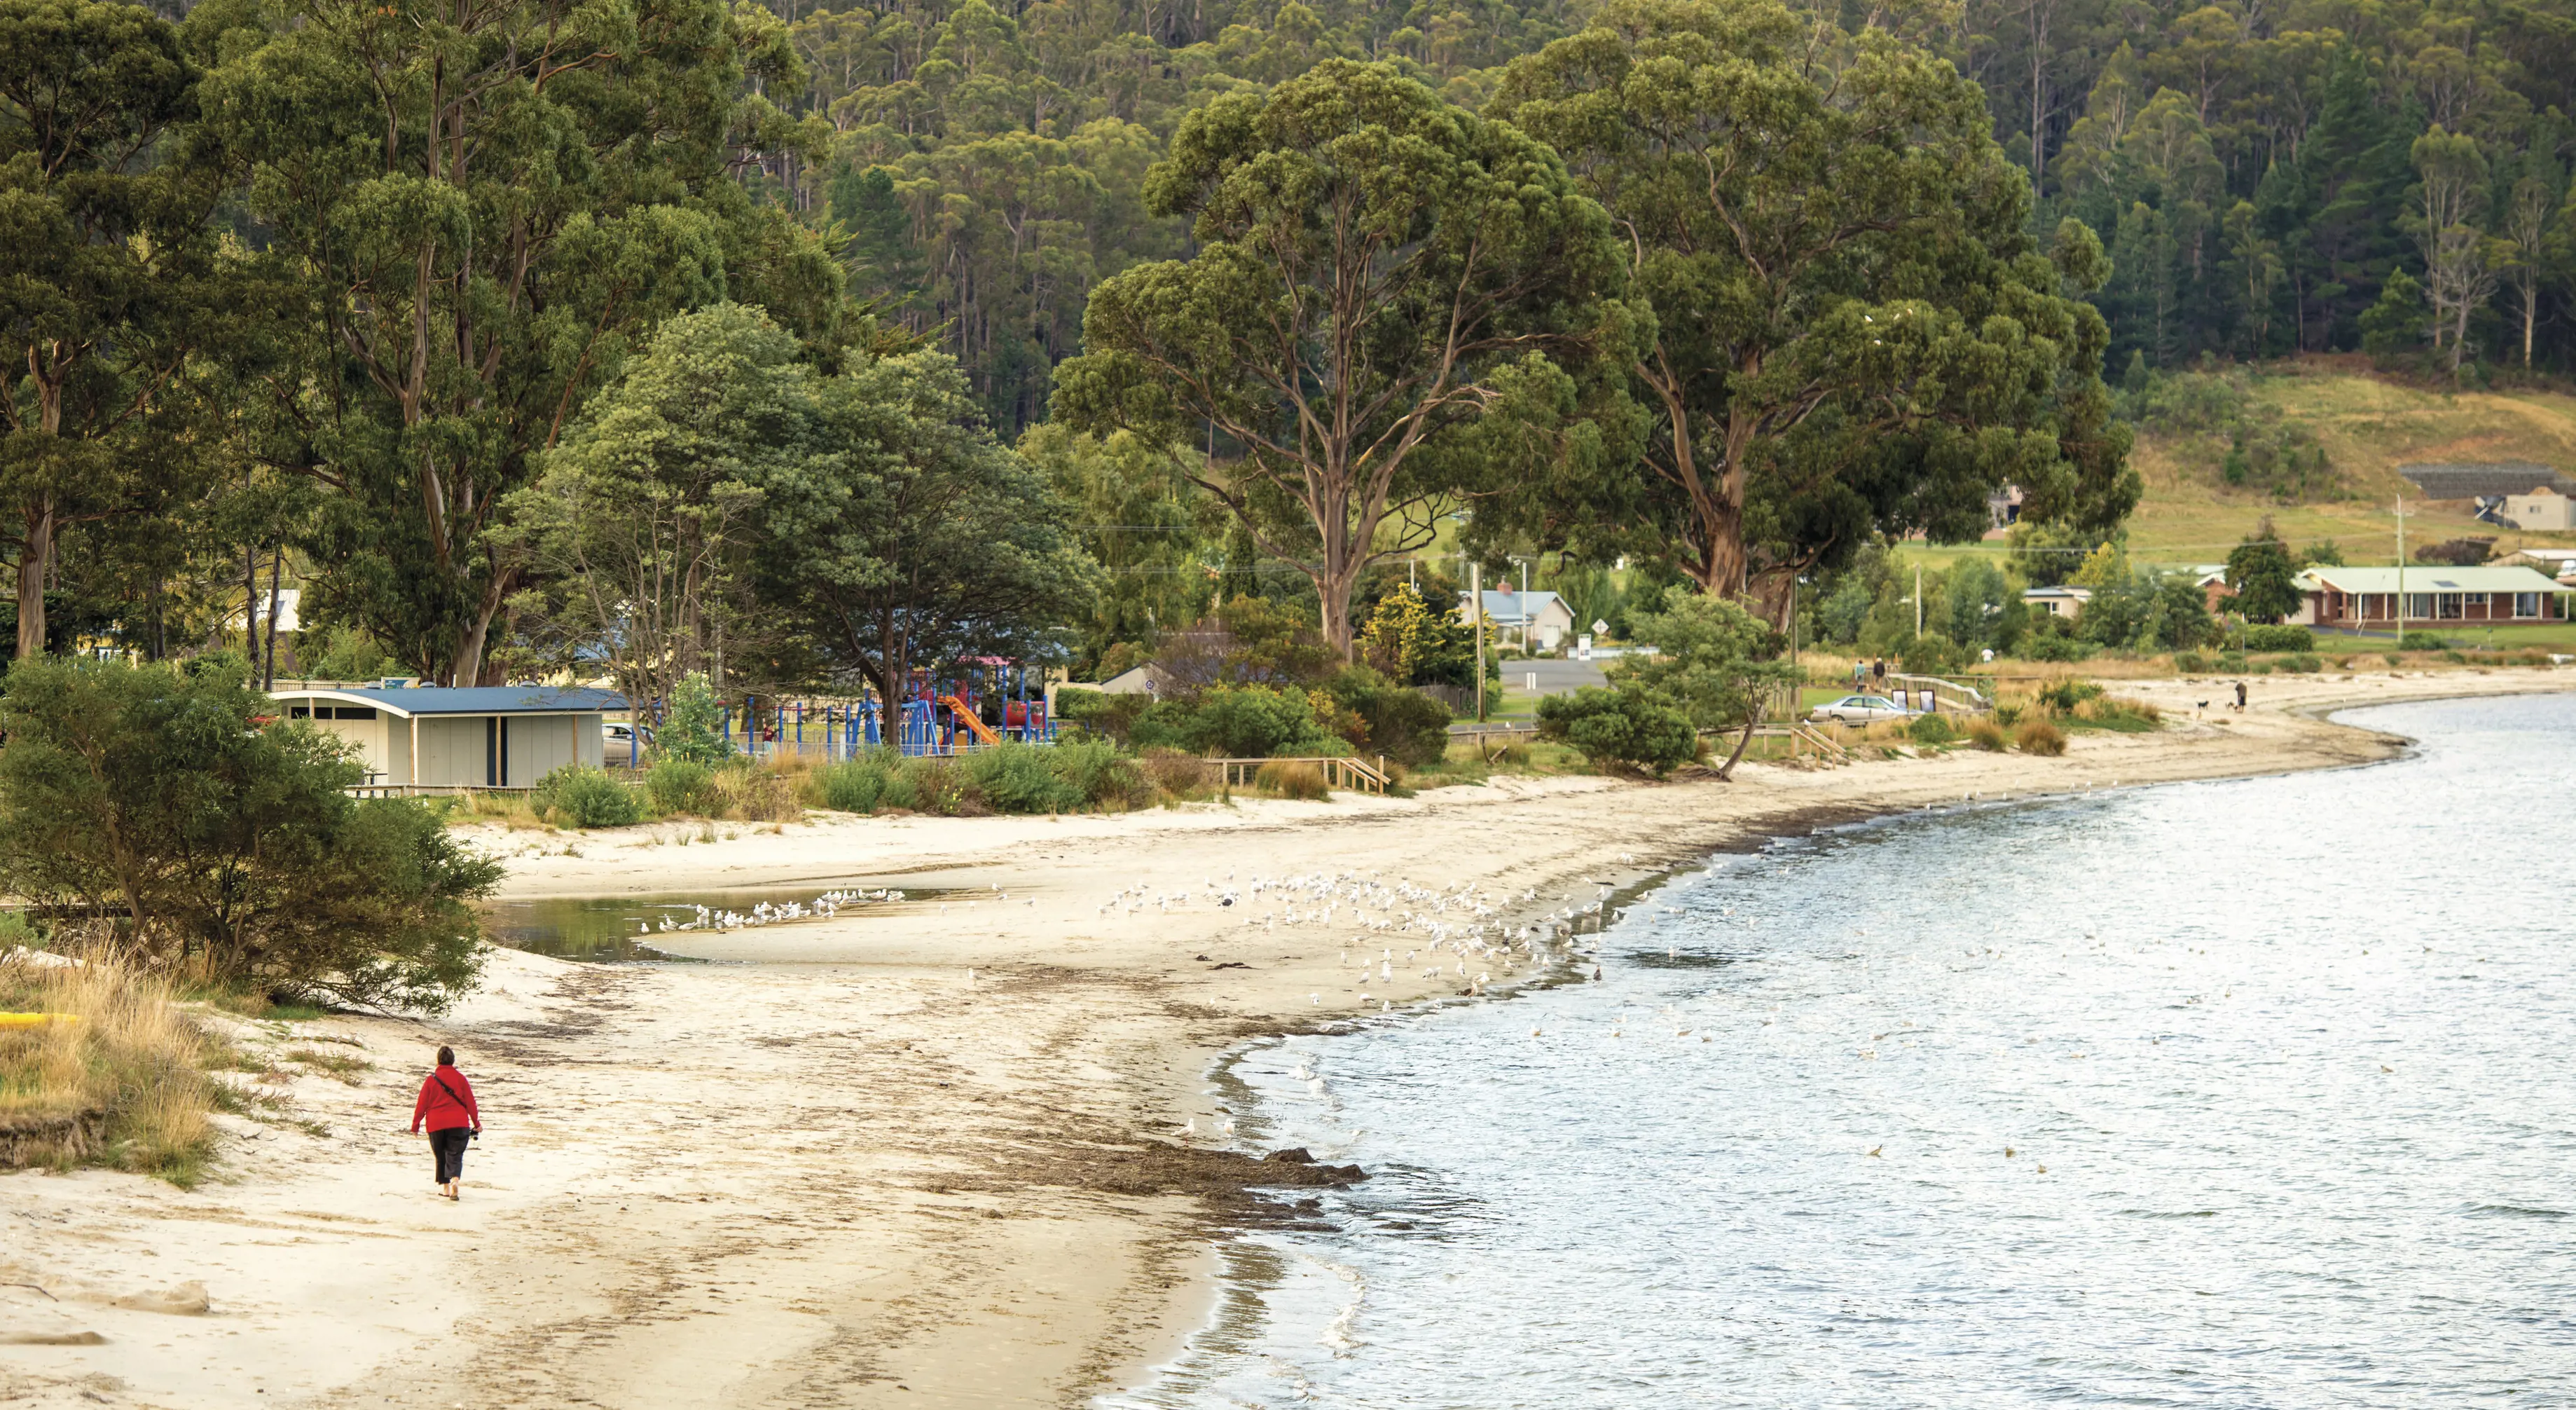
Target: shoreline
849,1171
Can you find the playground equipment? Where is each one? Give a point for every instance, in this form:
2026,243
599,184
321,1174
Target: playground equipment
986,701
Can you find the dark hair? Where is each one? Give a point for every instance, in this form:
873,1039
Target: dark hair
447,1057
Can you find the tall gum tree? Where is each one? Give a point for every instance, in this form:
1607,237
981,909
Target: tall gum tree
476,208
1844,327
1375,268
101,261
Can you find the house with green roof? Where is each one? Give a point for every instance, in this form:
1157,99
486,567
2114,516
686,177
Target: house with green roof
2432,595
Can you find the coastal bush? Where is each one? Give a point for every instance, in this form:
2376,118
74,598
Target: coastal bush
2424,641
1932,730
2190,663
124,1086
577,795
1100,775
1627,726
2231,661
1101,715
1175,771
1291,779
851,786
2456,658
1238,722
2392,658
1405,725
2066,695
679,785
174,803
2119,713
2304,662
2040,737
756,795
2054,648
2262,638
1989,736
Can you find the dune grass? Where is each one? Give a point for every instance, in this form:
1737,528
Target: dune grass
124,1085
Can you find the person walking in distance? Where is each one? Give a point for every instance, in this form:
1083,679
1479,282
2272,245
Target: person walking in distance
1860,675
446,1106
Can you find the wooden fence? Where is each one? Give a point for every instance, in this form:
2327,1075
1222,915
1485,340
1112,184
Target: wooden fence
1339,771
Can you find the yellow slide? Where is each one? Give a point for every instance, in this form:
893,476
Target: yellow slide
958,708
35,1020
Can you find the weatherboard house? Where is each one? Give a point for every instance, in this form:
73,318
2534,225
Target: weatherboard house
2436,596
440,738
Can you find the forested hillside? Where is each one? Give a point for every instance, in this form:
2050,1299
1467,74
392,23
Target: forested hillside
2258,172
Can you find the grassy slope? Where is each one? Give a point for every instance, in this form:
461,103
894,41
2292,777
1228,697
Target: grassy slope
2368,428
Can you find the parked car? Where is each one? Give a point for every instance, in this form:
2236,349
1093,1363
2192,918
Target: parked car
621,734
1858,710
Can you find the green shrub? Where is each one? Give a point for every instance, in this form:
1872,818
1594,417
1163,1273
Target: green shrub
1101,715
1100,775
2190,663
581,796
1932,654
2392,658
1238,722
2424,641
689,725
2041,737
2065,696
2231,661
680,785
2456,658
1621,727
1014,778
1407,726
853,785
2048,646
2263,638
2304,662
1932,730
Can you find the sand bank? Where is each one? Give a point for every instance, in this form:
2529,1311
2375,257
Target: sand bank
914,1157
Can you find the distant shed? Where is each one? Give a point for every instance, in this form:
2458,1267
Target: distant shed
440,738
2480,480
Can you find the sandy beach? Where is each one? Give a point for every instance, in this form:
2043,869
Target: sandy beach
954,1151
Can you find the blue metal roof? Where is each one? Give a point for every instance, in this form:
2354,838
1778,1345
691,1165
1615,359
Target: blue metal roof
473,700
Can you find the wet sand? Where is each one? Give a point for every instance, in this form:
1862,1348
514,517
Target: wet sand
928,1154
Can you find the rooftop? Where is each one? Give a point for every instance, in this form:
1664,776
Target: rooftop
2484,479
472,700
2429,577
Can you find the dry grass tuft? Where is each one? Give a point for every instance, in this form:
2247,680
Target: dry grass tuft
758,795
2038,736
1989,736
1175,772
1291,780
124,1085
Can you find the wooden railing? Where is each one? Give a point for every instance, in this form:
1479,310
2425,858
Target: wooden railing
1340,771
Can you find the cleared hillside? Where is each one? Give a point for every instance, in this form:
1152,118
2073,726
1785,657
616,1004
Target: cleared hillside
2367,426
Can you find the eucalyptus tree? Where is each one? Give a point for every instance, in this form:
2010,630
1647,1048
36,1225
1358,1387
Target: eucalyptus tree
473,212
102,266
1844,327
1375,270
907,536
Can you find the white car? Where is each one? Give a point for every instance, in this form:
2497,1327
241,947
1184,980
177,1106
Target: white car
1858,710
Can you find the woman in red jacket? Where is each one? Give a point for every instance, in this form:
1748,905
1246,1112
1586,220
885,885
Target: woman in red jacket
446,1105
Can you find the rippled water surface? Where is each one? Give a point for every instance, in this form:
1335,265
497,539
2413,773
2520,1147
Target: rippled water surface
2250,1094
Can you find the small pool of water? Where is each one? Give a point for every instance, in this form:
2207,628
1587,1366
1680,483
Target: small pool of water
658,928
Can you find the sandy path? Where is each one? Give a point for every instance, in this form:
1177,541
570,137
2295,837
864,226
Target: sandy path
852,1176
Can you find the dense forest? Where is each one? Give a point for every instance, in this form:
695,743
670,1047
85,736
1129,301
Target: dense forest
356,299
2260,173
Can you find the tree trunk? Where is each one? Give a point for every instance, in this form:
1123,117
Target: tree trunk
1726,772
276,576
35,564
468,667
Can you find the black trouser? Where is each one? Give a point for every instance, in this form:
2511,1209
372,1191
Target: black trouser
447,1149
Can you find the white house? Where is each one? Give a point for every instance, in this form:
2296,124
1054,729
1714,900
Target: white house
2067,602
442,737
1536,621
2542,510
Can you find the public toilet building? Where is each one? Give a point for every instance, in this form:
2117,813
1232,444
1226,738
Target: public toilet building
444,738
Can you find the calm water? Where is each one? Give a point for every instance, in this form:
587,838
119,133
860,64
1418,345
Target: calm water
2250,1094
629,928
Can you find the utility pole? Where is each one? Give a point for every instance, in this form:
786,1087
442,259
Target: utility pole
1476,597
1918,599
2400,613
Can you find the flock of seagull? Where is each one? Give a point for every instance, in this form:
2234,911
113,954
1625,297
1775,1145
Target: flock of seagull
822,907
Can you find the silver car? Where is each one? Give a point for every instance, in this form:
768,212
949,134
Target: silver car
1858,710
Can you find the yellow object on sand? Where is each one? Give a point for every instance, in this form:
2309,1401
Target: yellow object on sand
35,1020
